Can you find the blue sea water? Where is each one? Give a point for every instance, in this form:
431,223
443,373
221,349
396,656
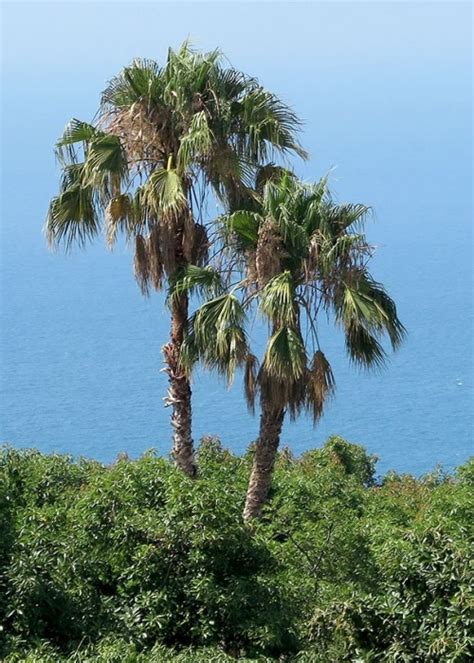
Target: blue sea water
386,99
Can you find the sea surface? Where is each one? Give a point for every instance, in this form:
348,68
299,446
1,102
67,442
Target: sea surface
80,347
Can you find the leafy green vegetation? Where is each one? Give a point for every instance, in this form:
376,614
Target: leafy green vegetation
138,562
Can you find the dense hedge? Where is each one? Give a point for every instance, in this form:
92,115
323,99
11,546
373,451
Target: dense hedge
136,562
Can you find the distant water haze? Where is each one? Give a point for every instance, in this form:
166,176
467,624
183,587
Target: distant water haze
385,93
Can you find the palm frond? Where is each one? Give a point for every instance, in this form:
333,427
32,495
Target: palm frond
363,347
365,302
294,237
73,217
270,172
346,248
164,192
320,384
141,80
275,195
391,323
196,144
142,265
277,300
250,381
75,132
347,216
204,281
117,216
244,224
219,334
285,356
358,305
189,353
269,125
285,393
106,164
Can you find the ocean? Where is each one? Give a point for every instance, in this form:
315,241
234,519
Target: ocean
80,347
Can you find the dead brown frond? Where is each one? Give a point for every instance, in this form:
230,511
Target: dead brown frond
143,132
142,264
320,384
250,381
269,252
251,267
168,242
286,457
154,257
117,212
288,394
200,250
188,236
115,184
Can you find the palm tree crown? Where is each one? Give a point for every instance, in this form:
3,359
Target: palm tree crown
161,135
305,255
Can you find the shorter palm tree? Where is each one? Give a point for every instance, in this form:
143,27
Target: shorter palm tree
304,255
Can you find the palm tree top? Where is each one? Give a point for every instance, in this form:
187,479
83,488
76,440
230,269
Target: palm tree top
303,255
163,137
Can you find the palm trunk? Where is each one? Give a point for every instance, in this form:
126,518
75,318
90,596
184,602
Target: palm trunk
179,391
271,422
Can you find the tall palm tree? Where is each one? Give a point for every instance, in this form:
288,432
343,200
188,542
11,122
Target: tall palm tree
304,255
165,137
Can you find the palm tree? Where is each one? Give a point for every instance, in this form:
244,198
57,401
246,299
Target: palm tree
163,139
304,255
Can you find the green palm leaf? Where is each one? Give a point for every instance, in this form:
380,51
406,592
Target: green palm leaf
363,347
197,143
106,164
141,80
75,132
251,381
164,192
72,216
217,336
244,224
277,300
285,356
205,281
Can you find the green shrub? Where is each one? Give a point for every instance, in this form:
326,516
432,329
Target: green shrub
138,550
136,562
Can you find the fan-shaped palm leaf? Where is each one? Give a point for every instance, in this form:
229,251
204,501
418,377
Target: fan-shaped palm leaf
277,300
73,217
164,192
217,337
285,356
205,281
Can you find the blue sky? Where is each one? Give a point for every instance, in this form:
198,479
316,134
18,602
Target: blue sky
336,63
279,33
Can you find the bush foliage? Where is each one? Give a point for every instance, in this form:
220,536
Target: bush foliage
136,562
